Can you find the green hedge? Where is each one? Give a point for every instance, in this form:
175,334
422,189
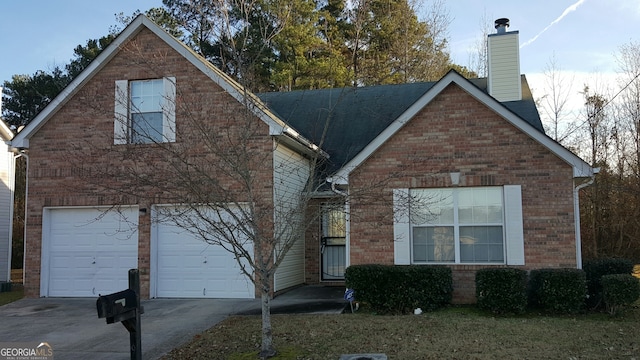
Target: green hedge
558,290
619,290
392,289
501,290
595,270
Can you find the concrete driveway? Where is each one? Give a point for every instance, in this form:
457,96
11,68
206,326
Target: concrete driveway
72,328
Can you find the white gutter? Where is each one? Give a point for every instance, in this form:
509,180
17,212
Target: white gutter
576,212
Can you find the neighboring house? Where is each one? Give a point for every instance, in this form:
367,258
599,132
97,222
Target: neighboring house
456,172
6,200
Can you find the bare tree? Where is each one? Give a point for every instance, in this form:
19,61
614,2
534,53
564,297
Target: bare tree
557,91
437,19
478,58
629,64
225,167
228,182
596,125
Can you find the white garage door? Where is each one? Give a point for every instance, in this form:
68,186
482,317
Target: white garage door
187,267
88,251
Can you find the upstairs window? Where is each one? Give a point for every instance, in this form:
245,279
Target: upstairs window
145,111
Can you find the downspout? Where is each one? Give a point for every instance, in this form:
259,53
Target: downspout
576,212
334,189
19,153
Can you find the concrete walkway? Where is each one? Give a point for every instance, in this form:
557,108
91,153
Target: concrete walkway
72,328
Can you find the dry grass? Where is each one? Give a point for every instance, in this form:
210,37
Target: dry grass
16,293
454,333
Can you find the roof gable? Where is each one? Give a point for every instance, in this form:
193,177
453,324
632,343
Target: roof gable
352,123
276,126
580,168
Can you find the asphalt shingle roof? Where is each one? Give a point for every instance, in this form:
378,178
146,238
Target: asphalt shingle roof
357,115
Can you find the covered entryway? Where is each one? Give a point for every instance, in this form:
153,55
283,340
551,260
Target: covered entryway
87,251
184,266
333,242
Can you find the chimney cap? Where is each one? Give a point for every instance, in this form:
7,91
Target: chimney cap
501,25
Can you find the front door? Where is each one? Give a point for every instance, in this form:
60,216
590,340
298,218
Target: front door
333,242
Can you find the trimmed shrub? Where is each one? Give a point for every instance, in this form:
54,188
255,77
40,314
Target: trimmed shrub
392,289
595,270
501,290
618,291
558,290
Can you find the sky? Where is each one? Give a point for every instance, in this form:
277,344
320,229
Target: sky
582,35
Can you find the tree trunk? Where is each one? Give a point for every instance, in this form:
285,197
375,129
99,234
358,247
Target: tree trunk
267,350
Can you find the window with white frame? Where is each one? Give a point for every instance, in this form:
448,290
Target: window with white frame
462,225
457,225
145,111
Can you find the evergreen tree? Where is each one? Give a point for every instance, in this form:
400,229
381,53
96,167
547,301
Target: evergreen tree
26,95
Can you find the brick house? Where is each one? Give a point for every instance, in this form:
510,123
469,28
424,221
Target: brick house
95,167
456,172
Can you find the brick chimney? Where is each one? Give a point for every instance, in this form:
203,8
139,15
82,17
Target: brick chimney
504,63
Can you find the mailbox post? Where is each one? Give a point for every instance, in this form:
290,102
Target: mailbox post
124,306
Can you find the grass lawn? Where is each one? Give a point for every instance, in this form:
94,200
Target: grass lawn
452,333
16,293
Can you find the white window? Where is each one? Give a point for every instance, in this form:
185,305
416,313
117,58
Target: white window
145,111
467,225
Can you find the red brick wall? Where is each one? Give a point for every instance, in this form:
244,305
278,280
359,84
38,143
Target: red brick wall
312,243
73,162
456,133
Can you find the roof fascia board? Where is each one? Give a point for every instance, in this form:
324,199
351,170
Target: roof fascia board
306,149
5,131
580,167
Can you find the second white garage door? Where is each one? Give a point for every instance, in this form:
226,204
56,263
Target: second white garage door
187,267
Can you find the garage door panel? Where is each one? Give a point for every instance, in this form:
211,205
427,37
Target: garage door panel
189,267
64,243
70,288
89,253
104,260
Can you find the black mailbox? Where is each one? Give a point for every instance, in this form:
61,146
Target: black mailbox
124,306
117,306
